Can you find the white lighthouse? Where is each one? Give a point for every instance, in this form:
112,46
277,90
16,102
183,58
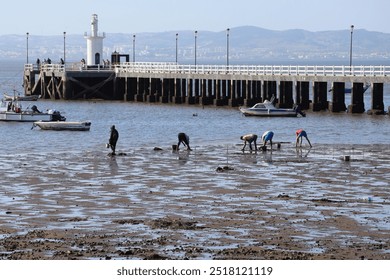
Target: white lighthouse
94,43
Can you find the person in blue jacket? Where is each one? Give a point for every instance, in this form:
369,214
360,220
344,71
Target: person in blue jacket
300,133
267,136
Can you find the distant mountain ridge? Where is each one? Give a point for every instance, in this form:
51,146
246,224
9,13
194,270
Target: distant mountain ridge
247,45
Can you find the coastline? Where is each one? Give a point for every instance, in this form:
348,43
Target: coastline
214,202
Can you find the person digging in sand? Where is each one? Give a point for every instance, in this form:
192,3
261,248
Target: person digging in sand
267,136
183,139
249,138
300,133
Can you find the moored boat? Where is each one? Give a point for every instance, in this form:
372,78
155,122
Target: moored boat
268,109
64,125
13,111
8,97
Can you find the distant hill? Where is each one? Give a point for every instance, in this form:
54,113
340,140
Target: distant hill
247,45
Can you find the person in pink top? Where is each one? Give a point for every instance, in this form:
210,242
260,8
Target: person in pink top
301,133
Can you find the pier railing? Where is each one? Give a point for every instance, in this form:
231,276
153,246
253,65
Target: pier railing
281,70
296,70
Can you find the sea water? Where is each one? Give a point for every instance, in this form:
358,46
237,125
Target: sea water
150,125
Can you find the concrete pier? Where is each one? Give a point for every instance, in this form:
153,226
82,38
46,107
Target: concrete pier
357,99
318,88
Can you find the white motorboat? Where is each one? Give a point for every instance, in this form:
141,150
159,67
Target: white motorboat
63,125
268,109
12,110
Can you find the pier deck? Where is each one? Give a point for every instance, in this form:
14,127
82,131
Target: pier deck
219,85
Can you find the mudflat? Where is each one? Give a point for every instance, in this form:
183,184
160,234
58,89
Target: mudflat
215,202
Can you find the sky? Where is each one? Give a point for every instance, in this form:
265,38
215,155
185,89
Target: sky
51,17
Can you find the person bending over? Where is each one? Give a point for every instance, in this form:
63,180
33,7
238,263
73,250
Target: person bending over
249,138
300,133
267,136
183,139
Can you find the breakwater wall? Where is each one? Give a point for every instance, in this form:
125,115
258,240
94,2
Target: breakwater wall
316,88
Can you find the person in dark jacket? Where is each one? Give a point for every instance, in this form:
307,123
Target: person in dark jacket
183,139
114,135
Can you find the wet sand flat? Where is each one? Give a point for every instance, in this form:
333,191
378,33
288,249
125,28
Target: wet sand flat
214,202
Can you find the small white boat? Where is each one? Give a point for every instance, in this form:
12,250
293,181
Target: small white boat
63,125
13,111
268,109
8,97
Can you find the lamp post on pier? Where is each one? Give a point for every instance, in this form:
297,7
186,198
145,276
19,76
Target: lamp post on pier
196,36
227,47
27,45
350,50
177,37
133,48
64,46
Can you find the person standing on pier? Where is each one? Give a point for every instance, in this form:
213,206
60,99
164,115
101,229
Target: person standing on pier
267,136
114,135
249,138
300,133
183,139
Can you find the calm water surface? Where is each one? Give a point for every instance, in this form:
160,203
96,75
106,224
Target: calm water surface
150,125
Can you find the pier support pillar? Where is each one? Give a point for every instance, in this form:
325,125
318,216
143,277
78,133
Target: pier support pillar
223,88
302,98
165,91
184,92
257,92
269,90
250,99
219,100
338,98
204,98
197,87
233,100
286,94
28,82
132,87
142,89
320,94
178,92
153,91
357,99
377,106
190,99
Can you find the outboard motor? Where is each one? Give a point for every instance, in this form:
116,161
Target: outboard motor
35,109
56,116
